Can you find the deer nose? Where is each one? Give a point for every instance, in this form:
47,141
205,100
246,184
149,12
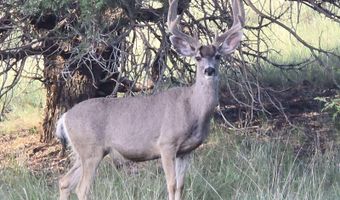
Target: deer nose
209,71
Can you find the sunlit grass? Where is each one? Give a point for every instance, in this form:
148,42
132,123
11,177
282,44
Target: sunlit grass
316,75
314,29
26,107
26,99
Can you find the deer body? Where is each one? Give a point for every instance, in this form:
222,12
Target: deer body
168,125
180,115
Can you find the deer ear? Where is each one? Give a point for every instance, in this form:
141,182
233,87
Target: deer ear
231,43
182,47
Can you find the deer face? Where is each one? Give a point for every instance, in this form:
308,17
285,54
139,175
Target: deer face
207,61
207,57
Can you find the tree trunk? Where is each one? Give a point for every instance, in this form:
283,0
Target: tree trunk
63,93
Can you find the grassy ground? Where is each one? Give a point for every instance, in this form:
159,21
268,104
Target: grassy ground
315,30
26,108
229,166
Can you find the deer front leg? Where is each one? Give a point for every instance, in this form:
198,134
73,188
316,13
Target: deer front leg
182,163
168,155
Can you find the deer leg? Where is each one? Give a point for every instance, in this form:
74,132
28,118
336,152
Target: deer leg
168,156
182,163
68,182
89,167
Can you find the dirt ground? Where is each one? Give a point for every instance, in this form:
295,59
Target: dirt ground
25,149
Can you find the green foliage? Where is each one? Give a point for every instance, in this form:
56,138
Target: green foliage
332,106
88,8
37,6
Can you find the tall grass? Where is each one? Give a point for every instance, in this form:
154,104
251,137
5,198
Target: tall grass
21,184
226,167
314,73
314,29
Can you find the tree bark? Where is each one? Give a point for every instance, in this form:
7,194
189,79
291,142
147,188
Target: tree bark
63,93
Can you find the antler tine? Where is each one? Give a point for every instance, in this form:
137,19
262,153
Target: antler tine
173,21
238,22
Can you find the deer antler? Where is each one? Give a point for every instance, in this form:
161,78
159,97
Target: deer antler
173,21
238,22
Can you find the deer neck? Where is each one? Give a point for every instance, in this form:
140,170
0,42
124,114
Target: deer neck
205,95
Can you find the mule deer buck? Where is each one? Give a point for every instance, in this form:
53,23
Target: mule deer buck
168,125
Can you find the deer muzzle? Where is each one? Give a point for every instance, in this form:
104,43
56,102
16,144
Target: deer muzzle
210,71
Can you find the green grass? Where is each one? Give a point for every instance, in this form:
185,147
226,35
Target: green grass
21,184
27,98
315,30
227,167
26,107
316,75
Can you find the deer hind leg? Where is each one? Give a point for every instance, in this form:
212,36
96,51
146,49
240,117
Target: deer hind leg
89,167
168,156
182,163
68,182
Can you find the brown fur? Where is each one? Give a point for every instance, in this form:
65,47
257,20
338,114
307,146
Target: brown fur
208,51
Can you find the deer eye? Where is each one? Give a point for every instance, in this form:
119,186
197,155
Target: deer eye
198,58
217,57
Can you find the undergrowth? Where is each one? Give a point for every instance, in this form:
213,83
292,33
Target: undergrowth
228,166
